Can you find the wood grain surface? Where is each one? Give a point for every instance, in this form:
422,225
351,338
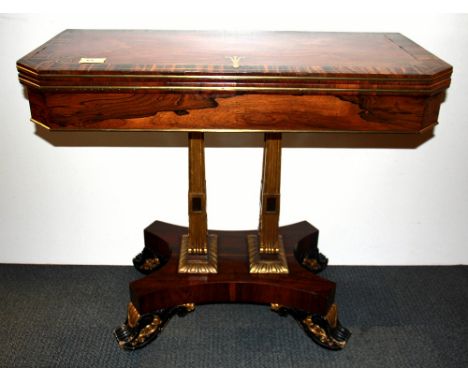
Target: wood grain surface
187,81
244,112
208,52
166,287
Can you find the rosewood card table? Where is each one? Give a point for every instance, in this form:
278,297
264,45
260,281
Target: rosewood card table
203,81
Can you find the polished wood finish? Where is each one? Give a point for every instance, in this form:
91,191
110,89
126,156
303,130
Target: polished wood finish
143,52
205,112
233,283
211,81
187,81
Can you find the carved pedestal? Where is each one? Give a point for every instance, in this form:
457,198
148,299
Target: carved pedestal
194,265
301,293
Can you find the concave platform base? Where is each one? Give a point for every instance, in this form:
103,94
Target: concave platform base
165,292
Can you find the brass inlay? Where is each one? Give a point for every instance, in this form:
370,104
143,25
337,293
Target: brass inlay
266,266
196,263
40,124
20,68
235,77
92,60
235,60
271,89
57,129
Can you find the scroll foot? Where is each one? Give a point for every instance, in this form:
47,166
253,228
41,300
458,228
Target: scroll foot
139,330
325,331
312,260
147,261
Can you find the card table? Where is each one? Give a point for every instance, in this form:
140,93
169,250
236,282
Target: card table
193,82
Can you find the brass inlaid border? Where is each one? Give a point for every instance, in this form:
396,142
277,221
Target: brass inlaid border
20,68
235,77
199,264
177,130
41,124
270,89
258,265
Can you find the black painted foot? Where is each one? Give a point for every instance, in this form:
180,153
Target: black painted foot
147,261
325,331
139,330
311,259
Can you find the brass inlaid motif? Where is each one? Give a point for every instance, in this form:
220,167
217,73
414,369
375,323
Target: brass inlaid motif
235,60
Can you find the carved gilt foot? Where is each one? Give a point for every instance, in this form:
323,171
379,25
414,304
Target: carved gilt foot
147,261
325,331
312,260
140,330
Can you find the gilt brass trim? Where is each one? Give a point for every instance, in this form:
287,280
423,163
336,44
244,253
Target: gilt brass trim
311,131
40,124
235,77
271,89
139,330
321,334
28,82
22,68
199,264
259,265
329,341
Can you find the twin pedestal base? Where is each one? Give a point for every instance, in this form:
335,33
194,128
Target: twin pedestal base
165,291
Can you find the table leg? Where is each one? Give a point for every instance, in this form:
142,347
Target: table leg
198,250
266,251
197,240
270,196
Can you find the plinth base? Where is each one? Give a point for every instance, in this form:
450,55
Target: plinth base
310,297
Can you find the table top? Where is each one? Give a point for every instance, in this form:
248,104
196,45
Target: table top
141,80
253,60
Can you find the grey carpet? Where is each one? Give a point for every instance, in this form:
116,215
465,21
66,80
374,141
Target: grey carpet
63,316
